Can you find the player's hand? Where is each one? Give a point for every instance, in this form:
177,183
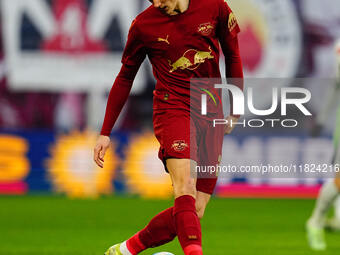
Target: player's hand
230,125
102,145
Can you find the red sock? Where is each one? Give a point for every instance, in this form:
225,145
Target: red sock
188,225
193,249
160,230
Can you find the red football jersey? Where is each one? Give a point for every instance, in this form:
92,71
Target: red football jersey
180,47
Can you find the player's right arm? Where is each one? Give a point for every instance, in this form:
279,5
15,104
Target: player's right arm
133,56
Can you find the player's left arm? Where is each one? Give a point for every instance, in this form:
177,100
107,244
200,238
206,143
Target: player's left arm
234,75
227,34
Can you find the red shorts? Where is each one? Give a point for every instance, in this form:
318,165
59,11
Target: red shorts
183,136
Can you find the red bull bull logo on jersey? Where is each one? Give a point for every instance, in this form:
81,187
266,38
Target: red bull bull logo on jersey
190,60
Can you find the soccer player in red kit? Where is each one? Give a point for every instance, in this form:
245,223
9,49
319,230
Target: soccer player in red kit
181,39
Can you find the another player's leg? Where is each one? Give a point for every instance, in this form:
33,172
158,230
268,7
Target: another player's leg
329,191
315,224
334,223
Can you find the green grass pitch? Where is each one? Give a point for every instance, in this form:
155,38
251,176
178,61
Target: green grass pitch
46,225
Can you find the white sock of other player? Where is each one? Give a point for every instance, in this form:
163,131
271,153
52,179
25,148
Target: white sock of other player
327,195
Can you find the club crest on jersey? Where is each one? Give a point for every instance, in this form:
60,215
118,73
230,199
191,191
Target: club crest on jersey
190,60
232,22
179,145
205,28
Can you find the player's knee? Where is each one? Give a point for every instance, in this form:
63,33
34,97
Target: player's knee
183,182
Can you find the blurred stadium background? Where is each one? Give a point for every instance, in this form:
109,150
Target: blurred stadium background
58,59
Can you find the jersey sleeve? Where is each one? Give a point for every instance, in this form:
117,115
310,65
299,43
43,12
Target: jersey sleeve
118,95
227,22
134,52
